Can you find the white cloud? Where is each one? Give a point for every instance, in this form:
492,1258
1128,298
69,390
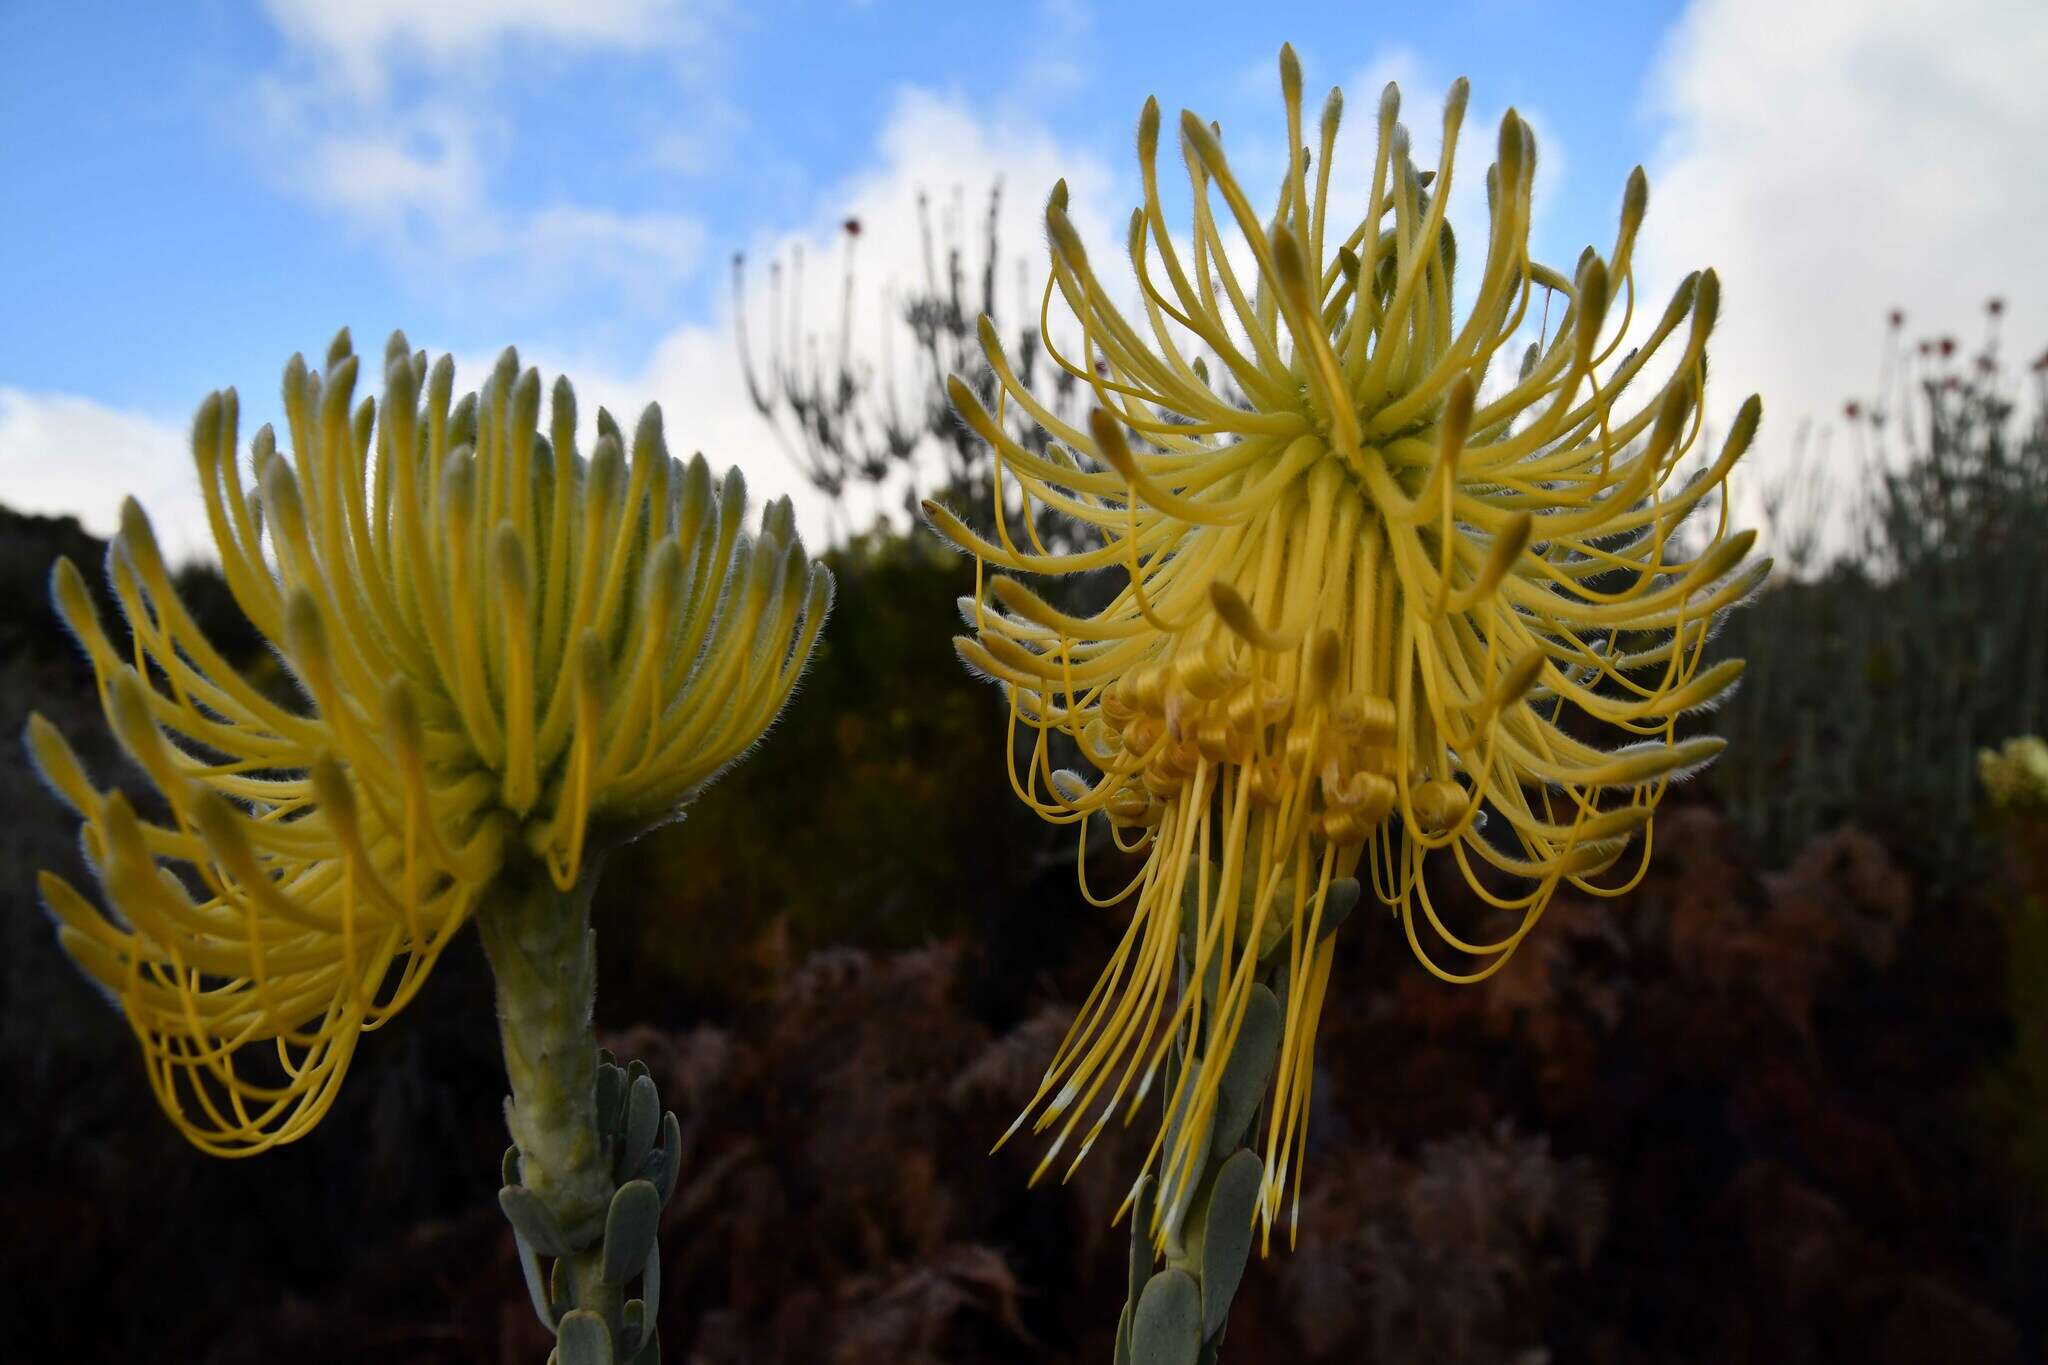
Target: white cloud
357,44
1835,160
934,144
64,455
939,146
630,249
421,173
400,176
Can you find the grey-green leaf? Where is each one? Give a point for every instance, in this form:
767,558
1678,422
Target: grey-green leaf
536,1285
665,1162
629,1230
611,1098
1277,927
1166,1329
560,1292
1227,1238
1243,1084
1123,1337
643,1117
583,1339
530,1219
650,1279
1178,1114
1191,902
1338,903
1191,926
508,1169
1142,1252
635,1324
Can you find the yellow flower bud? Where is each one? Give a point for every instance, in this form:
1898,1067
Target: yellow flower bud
510,654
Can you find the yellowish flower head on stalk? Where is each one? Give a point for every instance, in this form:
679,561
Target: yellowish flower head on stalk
1376,596
510,655
2015,776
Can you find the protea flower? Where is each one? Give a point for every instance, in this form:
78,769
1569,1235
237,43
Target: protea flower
1374,601
512,657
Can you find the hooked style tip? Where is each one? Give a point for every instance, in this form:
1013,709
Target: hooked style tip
1455,426
331,788
1290,75
1635,200
1455,100
402,715
1110,442
304,631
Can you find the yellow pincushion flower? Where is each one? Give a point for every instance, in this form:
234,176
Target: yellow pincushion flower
1375,599
510,655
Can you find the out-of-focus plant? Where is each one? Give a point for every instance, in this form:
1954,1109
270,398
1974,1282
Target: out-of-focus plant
1367,617
513,660
1443,1258
2015,776
2015,1094
849,420
1883,676
1889,667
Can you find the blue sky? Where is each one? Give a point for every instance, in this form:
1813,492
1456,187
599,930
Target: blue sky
194,192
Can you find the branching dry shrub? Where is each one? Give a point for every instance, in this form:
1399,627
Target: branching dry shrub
850,419
1875,679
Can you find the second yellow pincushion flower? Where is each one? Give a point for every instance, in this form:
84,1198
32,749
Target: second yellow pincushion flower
515,658
1373,606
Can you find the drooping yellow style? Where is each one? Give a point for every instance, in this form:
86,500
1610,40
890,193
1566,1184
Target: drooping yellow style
1375,599
506,651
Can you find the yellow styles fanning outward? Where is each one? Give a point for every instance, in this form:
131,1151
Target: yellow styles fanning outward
1373,597
511,656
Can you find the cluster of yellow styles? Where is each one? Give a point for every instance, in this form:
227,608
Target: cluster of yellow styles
509,651
1370,592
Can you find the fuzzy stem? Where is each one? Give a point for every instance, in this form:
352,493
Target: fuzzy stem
1185,1326
542,951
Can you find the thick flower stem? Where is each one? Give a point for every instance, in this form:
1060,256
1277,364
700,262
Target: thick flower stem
543,954
1176,1315
594,1158
542,951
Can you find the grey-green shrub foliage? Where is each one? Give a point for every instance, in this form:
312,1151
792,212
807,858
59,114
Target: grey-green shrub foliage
1873,680
849,421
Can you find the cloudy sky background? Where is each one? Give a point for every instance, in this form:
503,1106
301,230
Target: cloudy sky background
192,196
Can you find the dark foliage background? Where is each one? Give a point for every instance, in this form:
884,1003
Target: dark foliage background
1787,1101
